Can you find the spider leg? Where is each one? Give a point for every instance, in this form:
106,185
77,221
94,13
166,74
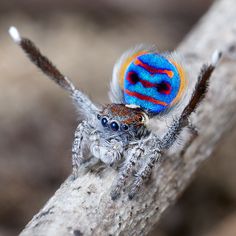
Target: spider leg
132,157
78,146
82,102
177,125
144,173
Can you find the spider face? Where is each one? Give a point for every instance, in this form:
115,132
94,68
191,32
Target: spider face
119,118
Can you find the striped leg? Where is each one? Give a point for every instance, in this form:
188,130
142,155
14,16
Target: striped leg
144,173
125,172
78,146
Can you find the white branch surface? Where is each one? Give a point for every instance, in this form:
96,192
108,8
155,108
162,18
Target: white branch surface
84,206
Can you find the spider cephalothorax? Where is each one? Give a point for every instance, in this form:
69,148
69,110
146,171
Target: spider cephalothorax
145,85
124,120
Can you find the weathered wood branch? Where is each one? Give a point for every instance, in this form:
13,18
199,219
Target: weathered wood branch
84,206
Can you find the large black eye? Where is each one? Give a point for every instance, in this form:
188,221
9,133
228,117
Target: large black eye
98,116
133,77
163,88
125,127
114,126
104,121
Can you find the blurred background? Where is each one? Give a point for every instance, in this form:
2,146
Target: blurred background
37,119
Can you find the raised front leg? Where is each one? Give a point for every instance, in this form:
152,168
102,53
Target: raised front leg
82,102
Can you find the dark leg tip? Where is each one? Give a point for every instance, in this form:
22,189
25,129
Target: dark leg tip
114,196
73,177
111,164
74,174
131,196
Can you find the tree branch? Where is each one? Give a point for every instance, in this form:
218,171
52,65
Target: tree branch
84,206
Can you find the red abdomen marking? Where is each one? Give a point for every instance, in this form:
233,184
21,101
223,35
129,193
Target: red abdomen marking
153,70
145,98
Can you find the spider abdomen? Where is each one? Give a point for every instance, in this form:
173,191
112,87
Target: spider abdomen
155,82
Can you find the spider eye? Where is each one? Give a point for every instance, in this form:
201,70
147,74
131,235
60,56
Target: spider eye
104,121
133,77
125,127
98,116
163,88
141,118
114,126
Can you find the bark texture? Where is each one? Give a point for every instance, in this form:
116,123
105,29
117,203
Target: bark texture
84,206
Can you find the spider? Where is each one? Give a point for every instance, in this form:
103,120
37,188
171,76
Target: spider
145,85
